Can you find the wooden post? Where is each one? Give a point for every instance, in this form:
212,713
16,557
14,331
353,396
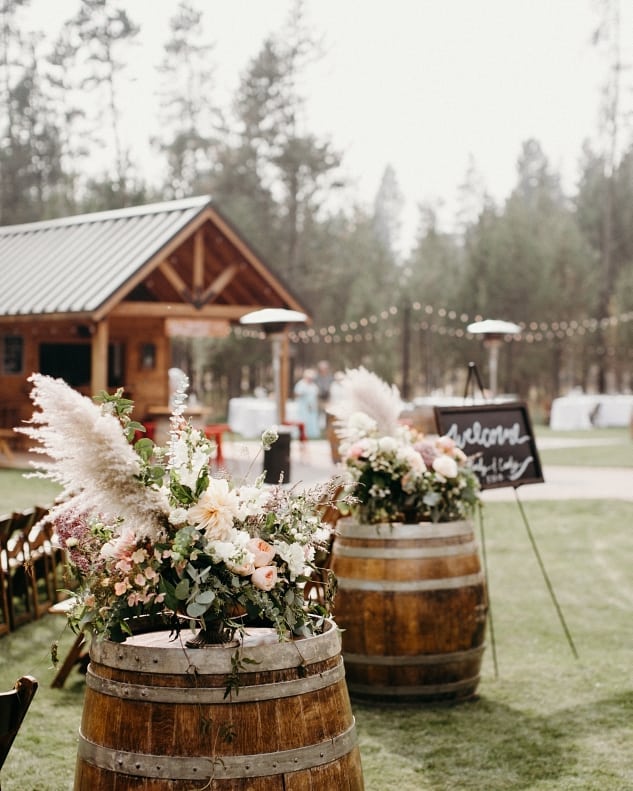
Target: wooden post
99,369
198,265
283,376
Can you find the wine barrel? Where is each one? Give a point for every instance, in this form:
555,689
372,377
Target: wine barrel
158,715
412,605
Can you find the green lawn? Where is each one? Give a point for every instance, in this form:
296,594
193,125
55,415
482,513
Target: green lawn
602,447
548,722
18,491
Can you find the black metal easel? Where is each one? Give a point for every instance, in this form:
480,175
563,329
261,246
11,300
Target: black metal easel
473,373
473,377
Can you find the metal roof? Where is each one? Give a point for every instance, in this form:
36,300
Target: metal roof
74,264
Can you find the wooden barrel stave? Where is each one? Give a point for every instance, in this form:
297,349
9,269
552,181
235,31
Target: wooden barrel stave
412,603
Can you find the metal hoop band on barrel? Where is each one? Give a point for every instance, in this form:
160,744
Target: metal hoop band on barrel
225,767
404,553
404,586
399,530
415,659
201,694
175,658
377,691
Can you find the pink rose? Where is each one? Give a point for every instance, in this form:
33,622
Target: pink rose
264,578
355,451
445,444
426,451
262,551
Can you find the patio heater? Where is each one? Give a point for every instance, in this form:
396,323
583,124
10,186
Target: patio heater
493,332
274,322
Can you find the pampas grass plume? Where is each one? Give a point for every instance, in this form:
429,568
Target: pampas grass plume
84,449
364,391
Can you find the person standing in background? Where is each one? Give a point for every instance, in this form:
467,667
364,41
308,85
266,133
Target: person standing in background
307,396
324,380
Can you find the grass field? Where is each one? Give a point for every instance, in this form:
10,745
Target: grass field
546,721
596,448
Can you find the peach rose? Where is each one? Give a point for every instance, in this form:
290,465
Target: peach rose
264,578
242,569
262,551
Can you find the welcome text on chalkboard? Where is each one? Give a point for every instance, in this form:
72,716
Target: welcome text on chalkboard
500,438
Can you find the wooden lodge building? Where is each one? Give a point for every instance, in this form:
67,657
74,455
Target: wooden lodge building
94,299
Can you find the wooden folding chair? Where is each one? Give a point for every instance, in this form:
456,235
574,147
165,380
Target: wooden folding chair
23,522
43,560
59,565
5,613
14,559
13,707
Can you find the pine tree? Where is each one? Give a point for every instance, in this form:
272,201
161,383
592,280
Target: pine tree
190,122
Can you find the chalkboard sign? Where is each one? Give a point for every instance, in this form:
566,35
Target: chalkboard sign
500,438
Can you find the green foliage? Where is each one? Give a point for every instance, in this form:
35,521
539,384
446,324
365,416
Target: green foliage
541,258
115,404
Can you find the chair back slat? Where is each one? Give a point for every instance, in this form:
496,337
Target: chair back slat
42,563
6,521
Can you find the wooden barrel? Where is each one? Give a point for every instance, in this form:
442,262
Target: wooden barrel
412,605
157,716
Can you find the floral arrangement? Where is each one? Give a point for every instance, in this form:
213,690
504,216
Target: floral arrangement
151,531
400,475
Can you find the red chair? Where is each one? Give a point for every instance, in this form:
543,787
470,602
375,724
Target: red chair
149,433
215,431
300,425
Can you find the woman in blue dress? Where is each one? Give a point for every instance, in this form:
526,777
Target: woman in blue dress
307,397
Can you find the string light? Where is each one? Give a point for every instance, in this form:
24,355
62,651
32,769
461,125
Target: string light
368,328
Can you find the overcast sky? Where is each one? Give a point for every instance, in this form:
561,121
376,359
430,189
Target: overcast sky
423,85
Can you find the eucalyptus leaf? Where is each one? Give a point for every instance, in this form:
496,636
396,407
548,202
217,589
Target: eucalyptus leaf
205,597
195,610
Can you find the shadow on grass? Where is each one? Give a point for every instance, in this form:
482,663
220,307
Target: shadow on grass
489,745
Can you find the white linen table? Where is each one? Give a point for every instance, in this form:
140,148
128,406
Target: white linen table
250,416
578,412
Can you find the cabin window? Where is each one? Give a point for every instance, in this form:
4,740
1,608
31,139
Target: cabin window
12,354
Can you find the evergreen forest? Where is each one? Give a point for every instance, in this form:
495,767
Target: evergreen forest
559,265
